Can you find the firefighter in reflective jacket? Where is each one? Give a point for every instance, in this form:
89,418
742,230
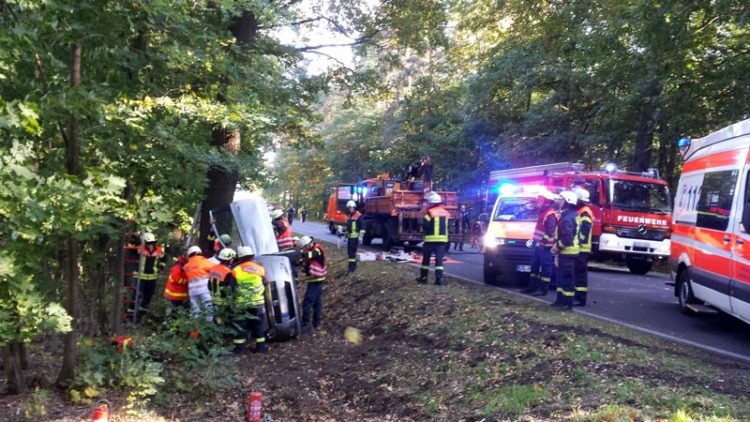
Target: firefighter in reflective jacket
315,267
586,221
352,234
435,228
196,272
567,249
249,301
282,229
149,264
176,289
221,280
544,239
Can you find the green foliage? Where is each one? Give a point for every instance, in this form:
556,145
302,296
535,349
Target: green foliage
35,408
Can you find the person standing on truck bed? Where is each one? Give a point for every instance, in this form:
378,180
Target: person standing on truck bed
567,249
544,239
352,234
586,221
435,228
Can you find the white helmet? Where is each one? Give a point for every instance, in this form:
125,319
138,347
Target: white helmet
276,214
351,204
194,250
304,241
226,254
569,197
244,251
149,237
434,198
225,239
583,194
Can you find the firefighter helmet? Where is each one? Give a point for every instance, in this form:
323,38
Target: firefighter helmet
225,239
582,194
304,241
226,254
569,197
244,251
351,204
434,198
194,250
149,238
276,214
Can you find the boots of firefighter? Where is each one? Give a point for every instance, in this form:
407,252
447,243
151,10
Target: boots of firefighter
261,346
423,274
438,276
533,283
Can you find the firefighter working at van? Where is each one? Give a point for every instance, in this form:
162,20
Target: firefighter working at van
567,249
544,238
435,228
352,234
314,265
221,280
282,229
586,222
248,301
224,241
176,289
197,270
149,264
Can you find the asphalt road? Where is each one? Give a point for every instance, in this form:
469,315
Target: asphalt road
645,303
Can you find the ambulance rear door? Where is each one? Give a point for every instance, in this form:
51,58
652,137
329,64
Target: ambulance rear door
739,289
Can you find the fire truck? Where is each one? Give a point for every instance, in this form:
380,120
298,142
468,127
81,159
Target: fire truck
393,208
632,213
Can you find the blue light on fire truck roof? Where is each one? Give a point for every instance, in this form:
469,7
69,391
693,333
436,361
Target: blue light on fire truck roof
507,188
610,167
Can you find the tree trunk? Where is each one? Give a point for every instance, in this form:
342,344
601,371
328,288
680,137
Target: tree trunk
644,136
101,285
118,271
73,165
12,366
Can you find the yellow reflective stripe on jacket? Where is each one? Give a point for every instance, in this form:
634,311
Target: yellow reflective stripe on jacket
438,230
250,287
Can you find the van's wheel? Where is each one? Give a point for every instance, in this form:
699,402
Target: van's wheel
685,293
331,228
639,265
490,275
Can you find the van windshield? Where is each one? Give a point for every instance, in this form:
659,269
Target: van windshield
629,195
516,209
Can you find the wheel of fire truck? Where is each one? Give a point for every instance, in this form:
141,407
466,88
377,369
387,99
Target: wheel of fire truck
331,227
638,264
685,292
367,239
490,275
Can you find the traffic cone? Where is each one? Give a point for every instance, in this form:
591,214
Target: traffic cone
101,411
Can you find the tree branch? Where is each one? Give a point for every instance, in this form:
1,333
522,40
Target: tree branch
332,58
358,41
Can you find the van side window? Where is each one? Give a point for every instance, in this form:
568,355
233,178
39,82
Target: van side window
715,201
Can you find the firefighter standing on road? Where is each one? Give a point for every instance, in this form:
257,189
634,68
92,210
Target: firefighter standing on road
567,249
586,221
315,267
544,239
282,229
435,228
249,301
352,234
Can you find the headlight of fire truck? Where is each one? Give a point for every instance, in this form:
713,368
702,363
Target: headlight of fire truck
491,241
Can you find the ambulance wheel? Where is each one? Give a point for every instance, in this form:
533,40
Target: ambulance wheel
685,293
490,275
639,266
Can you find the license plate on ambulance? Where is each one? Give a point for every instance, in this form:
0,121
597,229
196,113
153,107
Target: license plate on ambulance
523,268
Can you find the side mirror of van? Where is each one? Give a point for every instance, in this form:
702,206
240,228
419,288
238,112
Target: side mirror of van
746,218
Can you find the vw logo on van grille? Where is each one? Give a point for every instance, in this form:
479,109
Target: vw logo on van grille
529,243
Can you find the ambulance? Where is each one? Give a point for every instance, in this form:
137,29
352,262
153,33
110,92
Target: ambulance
709,262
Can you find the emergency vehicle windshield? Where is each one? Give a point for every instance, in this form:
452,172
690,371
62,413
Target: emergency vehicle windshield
516,209
639,196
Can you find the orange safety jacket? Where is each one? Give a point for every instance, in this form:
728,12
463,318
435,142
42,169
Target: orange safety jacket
544,232
218,277
284,239
316,264
176,288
